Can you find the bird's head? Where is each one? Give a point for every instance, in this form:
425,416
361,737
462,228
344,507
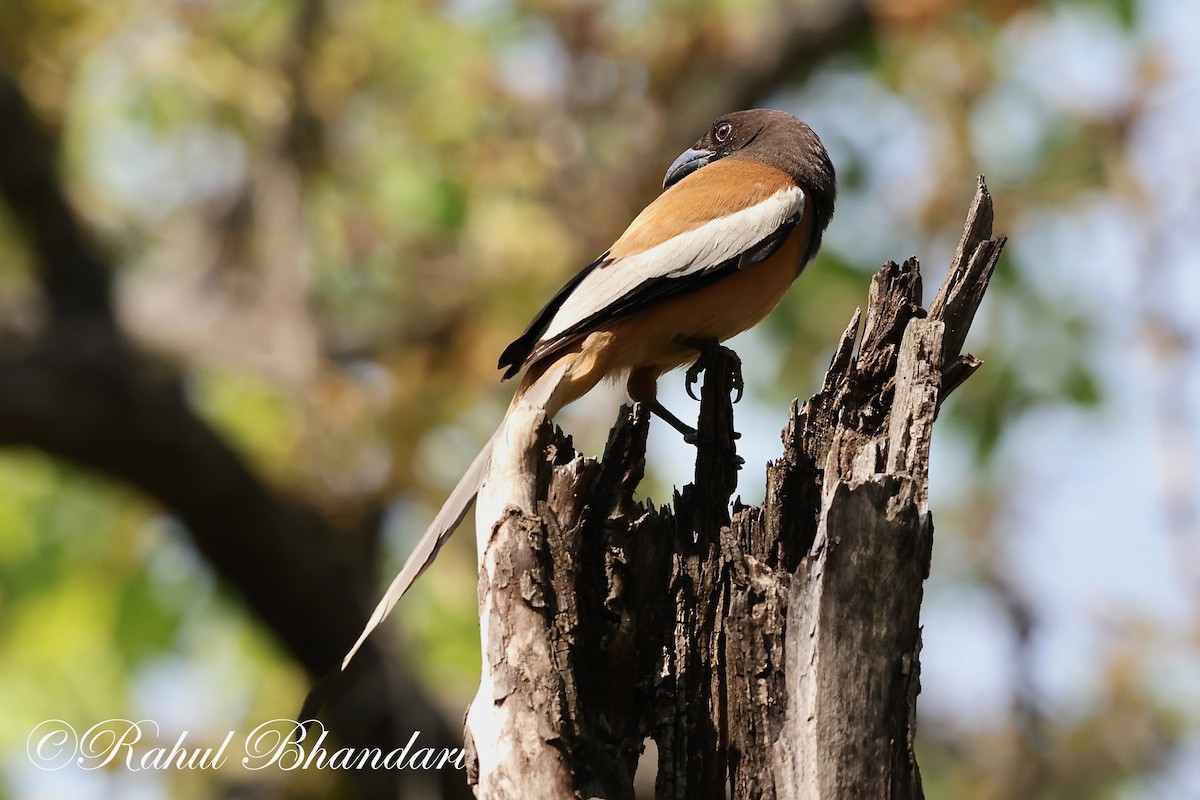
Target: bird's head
775,138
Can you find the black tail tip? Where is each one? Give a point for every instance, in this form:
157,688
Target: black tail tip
317,697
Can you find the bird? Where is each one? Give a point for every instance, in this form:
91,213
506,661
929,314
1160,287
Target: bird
741,213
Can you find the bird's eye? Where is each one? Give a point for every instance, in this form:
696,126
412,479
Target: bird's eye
722,131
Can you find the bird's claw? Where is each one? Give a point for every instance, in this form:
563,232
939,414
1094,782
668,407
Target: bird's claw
693,375
708,352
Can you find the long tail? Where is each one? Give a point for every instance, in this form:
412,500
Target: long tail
445,523
541,392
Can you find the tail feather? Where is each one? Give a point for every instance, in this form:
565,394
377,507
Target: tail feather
541,392
447,520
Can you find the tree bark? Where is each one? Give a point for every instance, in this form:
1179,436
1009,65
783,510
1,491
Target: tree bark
769,653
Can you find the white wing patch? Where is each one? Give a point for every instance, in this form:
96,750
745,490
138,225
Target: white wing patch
690,253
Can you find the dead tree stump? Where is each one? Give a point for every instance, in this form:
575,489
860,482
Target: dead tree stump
771,652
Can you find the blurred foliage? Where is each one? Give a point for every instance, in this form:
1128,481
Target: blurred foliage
333,216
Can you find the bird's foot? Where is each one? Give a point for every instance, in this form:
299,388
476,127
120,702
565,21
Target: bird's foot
710,351
690,434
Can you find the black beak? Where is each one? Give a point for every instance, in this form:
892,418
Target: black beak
688,162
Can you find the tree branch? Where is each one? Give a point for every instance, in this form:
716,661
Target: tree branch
81,392
74,277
